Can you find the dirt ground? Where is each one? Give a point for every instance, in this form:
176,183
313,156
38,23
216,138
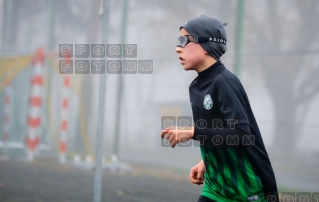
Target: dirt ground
47,181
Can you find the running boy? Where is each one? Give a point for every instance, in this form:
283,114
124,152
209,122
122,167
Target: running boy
235,165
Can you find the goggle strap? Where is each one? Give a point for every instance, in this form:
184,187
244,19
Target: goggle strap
209,39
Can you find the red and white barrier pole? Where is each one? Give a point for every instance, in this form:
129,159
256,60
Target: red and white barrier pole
64,118
35,102
6,116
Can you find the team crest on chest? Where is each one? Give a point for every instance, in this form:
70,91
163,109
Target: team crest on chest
208,102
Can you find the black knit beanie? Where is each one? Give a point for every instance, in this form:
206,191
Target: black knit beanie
204,26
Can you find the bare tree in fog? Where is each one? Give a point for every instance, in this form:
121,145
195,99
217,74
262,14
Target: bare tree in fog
29,19
286,41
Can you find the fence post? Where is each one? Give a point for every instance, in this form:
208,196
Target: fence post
64,118
34,117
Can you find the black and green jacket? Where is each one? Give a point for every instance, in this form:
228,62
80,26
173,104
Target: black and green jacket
237,164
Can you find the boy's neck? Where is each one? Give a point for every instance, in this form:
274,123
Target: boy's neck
208,62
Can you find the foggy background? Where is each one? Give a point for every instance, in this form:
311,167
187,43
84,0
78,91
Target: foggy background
275,53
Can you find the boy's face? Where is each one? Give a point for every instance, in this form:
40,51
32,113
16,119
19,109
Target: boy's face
192,56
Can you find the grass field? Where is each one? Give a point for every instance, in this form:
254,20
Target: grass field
47,181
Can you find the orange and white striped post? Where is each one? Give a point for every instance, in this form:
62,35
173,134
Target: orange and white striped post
34,117
64,117
6,115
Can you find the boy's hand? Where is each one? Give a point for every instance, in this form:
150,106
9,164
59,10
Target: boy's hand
196,175
175,135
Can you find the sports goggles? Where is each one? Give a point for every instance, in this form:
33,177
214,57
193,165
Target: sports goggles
182,41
